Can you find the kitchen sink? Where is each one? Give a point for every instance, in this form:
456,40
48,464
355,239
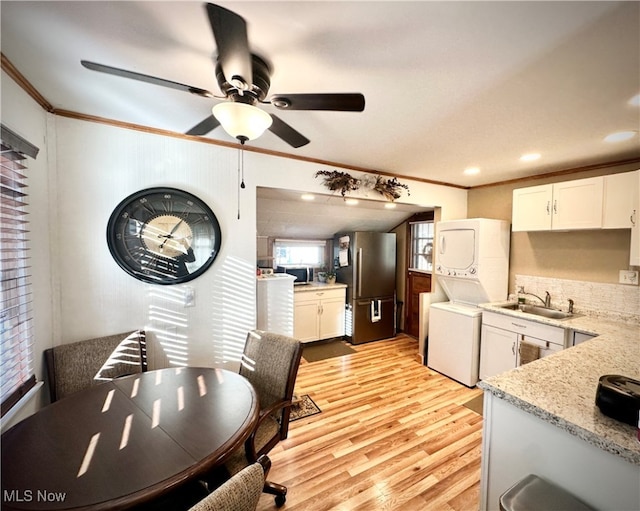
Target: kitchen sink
540,311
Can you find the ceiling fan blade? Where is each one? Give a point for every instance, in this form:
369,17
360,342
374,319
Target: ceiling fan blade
287,133
146,78
204,127
230,32
337,102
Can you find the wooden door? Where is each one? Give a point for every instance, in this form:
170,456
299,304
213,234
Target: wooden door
417,282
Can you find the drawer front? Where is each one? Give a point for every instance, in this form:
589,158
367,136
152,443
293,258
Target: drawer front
319,294
549,333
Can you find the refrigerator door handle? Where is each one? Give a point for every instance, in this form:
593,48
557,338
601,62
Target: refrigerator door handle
359,269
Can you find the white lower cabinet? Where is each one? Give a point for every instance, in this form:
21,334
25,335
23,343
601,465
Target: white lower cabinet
507,342
516,443
497,351
319,314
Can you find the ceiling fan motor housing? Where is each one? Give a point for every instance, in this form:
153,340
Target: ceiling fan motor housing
259,88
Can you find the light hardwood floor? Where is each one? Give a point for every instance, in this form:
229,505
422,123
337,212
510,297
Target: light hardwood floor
392,435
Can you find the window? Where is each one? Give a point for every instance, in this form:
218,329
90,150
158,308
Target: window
16,335
422,246
299,252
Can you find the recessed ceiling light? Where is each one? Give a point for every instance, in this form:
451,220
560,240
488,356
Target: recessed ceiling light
620,136
390,205
471,171
307,196
530,157
351,202
635,100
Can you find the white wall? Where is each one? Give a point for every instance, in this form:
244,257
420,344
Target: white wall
99,165
25,117
92,167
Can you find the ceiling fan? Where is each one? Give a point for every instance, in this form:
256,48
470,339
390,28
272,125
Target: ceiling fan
244,79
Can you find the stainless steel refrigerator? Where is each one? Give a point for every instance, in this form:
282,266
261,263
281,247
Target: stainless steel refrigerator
366,262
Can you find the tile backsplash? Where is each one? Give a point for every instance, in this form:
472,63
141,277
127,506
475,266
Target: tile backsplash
617,302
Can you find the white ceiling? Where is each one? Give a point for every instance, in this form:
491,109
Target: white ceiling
448,85
283,214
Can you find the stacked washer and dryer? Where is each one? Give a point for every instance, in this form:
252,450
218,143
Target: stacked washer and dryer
472,267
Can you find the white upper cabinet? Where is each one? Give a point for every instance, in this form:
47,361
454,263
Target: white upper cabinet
532,208
568,205
578,204
620,200
634,257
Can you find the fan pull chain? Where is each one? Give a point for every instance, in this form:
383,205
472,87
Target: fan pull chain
240,171
239,185
242,159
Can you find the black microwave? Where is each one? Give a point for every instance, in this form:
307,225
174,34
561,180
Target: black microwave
303,274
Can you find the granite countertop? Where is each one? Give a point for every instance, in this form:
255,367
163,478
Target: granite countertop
315,286
561,388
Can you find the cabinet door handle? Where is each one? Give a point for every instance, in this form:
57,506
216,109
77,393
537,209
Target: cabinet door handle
633,218
555,206
513,348
548,207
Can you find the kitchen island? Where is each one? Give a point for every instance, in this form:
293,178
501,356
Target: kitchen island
541,419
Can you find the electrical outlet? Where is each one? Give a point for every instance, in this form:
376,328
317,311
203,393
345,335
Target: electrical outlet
628,277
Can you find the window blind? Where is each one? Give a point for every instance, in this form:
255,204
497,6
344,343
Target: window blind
16,314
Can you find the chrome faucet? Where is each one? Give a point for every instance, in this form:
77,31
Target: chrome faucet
546,301
570,306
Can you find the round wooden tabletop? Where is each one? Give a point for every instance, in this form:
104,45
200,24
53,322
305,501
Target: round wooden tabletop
128,441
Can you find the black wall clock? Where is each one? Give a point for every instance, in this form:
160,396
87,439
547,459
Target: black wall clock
163,236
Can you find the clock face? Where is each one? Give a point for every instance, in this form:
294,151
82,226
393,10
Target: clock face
163,236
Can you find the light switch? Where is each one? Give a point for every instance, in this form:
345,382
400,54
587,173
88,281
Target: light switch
189,297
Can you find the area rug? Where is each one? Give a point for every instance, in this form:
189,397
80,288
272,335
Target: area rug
475,404
304,407
323,350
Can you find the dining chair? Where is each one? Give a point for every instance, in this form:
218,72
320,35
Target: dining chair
241,492
270,362
79,365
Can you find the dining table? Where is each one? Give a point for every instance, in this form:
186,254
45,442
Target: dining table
128,441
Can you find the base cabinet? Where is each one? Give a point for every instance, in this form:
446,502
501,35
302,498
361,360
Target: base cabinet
516,443
319,314
506,342
497,351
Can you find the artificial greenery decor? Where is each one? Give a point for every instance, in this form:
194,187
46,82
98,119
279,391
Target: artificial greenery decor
335,180
390,189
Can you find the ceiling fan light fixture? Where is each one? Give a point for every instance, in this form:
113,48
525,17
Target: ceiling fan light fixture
620,136
530,157
242,121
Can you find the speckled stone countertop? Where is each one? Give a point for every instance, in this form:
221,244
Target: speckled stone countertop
316,286
561,388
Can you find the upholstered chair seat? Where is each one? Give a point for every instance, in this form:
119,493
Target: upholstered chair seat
240,493
270,362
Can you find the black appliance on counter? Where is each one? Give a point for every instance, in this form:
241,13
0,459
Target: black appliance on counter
366,262
303,274
618,397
